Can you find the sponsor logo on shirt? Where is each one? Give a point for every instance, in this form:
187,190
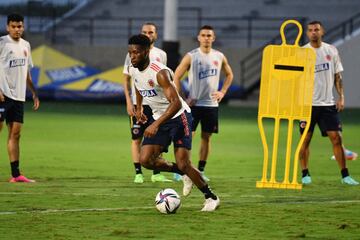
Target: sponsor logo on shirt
322,67
17,62
148,93
207,73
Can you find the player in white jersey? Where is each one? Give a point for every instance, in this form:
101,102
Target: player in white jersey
137,130
15,64
171,120
204,65
325,109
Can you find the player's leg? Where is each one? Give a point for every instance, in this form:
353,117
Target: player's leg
136,137
305,150
204,152
339,153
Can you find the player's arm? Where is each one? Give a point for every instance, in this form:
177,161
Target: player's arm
140,116
127,90
35,97
164,80
180,71
226,69
340,103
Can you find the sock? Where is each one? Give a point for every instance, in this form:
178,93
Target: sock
207,192
15,171
175,169
138,168
305,173
344,172
156,172
201,165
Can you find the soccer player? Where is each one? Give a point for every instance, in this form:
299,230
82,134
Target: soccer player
171,119
325,110
204,65
15,59
137,130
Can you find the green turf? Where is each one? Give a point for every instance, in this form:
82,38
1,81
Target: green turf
80,156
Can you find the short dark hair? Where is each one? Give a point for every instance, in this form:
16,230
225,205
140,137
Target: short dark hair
315,22
151,24
140,39
206,27
14,17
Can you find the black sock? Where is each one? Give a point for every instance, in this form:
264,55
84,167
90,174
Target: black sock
207,192
175,169
138,168
156,172
305,173
15,171
201,165
344,172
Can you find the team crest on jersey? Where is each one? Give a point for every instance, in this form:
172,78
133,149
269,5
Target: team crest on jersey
151,83
328,57
158,59
216,63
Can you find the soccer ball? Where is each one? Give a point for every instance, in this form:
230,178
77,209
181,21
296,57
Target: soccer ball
167,201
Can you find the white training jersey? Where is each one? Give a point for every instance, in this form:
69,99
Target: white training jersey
148,86
156,54
204,76
328,63
15,62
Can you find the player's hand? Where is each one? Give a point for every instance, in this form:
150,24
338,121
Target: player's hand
130,109
218,96
191,102
2,98
141,117
340,104
36,102
151,130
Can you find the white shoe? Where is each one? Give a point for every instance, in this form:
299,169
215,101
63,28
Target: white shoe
211,205
188,184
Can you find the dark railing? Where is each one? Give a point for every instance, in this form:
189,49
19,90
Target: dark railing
250,66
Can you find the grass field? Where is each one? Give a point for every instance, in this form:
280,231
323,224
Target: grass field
80,156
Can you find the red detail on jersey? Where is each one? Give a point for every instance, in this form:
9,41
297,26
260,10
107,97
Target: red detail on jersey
155,67
151,83
216,63
328,57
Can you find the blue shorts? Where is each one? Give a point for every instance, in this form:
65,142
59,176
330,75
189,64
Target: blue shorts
11,111
326,117
137,129
177,130
207,116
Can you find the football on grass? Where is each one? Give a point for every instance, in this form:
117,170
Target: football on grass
167,201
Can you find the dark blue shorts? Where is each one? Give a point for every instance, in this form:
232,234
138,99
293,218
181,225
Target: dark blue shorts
207,116
326,117
11,111
137,129
177,130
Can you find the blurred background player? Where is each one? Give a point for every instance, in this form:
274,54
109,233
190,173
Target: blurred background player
15,59
171,120
137,130
325,110
204,65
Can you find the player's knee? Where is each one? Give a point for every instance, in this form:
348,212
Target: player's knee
336,140
14,135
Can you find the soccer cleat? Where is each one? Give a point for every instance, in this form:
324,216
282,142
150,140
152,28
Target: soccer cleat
188,184
139,178
211,205
177,177
159,178
205,177
21,178
349,155
306,180
349,180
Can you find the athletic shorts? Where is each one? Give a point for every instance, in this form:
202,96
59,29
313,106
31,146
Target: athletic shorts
177,130
326,117
11,111
137,129
207,116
